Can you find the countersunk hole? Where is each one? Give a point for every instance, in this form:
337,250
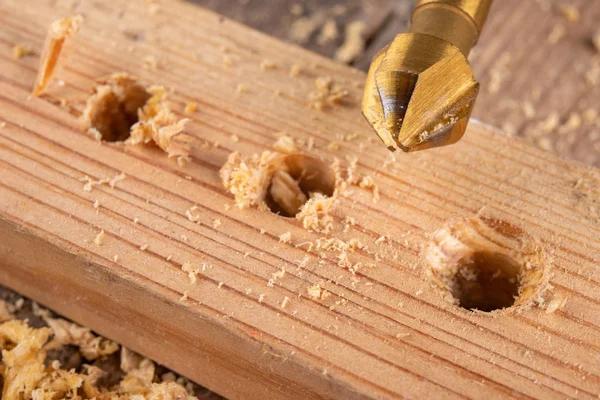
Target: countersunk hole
113,109
487,282
486,265
295,180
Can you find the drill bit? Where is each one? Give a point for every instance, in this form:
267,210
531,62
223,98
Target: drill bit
420,89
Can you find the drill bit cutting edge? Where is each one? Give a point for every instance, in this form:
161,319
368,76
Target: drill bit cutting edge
420,89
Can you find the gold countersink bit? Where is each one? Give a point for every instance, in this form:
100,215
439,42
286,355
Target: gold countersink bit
420,88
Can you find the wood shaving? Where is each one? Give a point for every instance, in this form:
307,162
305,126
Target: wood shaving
159,124
150,63
189,214
295,70
183,298
556,34
354,44
248,178
227,61
285,237
315,213
569,12
117,178
329,32
499,73
192,272
91,183
302,29
285,144
368,183
191,108
216,223
326,95
275,277
285,302
297,9
234,138
267,64
90,345
6,311
153,9
241,88
592,75
317,293
21,50
99,238
56,41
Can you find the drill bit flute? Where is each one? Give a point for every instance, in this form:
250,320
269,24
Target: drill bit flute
420,89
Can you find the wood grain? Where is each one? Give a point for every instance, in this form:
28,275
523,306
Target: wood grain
351,345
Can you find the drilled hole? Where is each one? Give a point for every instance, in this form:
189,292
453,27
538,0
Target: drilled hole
113,109
486,265
296,178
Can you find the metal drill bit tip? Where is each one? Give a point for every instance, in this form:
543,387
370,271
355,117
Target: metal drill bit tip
420,92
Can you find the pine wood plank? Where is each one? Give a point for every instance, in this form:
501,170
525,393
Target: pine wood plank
223,337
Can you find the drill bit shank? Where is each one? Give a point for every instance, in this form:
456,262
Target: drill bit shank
420,89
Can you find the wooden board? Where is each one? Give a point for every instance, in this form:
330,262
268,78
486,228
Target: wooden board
355,343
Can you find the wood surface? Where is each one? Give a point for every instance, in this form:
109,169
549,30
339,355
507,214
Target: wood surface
384,332
551,77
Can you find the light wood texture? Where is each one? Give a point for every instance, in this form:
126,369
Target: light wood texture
345,346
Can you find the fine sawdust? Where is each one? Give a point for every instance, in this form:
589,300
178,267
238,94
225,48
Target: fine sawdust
56,42
21,50
326,95
122,110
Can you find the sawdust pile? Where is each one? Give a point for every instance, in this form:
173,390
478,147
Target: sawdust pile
56,42
327,94
29,373
287,184
121,109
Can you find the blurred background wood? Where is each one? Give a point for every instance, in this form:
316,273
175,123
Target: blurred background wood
539,70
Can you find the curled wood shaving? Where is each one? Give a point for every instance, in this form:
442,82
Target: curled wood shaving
56,40
26,377
354,44
90,345
99,238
